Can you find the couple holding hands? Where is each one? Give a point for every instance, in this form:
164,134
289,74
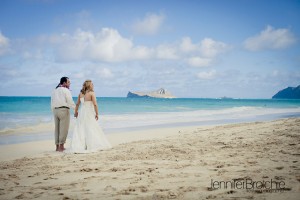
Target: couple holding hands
87,134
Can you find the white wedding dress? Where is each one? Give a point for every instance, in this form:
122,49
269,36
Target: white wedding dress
87,134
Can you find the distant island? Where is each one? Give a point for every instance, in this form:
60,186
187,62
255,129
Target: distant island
225,97
288,93
160,93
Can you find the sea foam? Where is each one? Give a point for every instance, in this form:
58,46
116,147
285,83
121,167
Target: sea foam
117,122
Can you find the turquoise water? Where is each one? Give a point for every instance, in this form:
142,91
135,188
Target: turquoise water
25,115
119,105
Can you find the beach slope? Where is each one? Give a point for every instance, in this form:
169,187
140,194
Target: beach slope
187,164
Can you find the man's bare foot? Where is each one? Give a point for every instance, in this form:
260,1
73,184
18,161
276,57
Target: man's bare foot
61,148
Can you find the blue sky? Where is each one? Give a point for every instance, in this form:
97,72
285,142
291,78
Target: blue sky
193,48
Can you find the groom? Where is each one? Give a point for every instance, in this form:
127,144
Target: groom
61,102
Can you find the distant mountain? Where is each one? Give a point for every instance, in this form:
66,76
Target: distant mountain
288,93
160,93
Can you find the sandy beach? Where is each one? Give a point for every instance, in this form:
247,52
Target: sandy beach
259,160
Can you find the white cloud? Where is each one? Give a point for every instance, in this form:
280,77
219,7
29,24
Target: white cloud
270,38
207,75
150,25
104,73
187,45
36,54
10,72
4,44
201,54
166,52
79,75
211,48
206,47
107,45
199,62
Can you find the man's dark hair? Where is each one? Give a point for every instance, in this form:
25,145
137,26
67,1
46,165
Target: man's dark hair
62,81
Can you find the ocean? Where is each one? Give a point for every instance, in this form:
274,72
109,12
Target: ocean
25,119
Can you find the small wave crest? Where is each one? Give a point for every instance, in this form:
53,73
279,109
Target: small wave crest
119,121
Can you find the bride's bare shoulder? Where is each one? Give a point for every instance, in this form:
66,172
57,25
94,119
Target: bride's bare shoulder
81,95
91,93
88,96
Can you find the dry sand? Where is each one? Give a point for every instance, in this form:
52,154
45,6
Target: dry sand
177,163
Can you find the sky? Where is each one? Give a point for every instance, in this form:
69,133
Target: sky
192,48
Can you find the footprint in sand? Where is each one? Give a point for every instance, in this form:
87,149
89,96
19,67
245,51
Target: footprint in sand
90,177
187,189
210,189
13,176
86,170
151,169
49,178
143,188
211,197
21,196
231,192
128,191
172,195
109,188
163,190
140,173
279,168
279,178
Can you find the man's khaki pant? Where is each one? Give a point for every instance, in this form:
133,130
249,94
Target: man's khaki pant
62,122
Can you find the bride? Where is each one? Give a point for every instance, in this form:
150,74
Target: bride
87,135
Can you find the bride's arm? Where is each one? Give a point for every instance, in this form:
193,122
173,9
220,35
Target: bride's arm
95,105
77,106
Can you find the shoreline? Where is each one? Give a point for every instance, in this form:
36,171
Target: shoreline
118,136
32,133
170,163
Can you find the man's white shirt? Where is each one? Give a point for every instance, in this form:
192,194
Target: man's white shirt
62,97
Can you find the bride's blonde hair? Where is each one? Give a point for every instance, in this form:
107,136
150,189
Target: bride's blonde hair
86,87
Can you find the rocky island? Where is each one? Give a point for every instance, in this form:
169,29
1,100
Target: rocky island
288,93
160,93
